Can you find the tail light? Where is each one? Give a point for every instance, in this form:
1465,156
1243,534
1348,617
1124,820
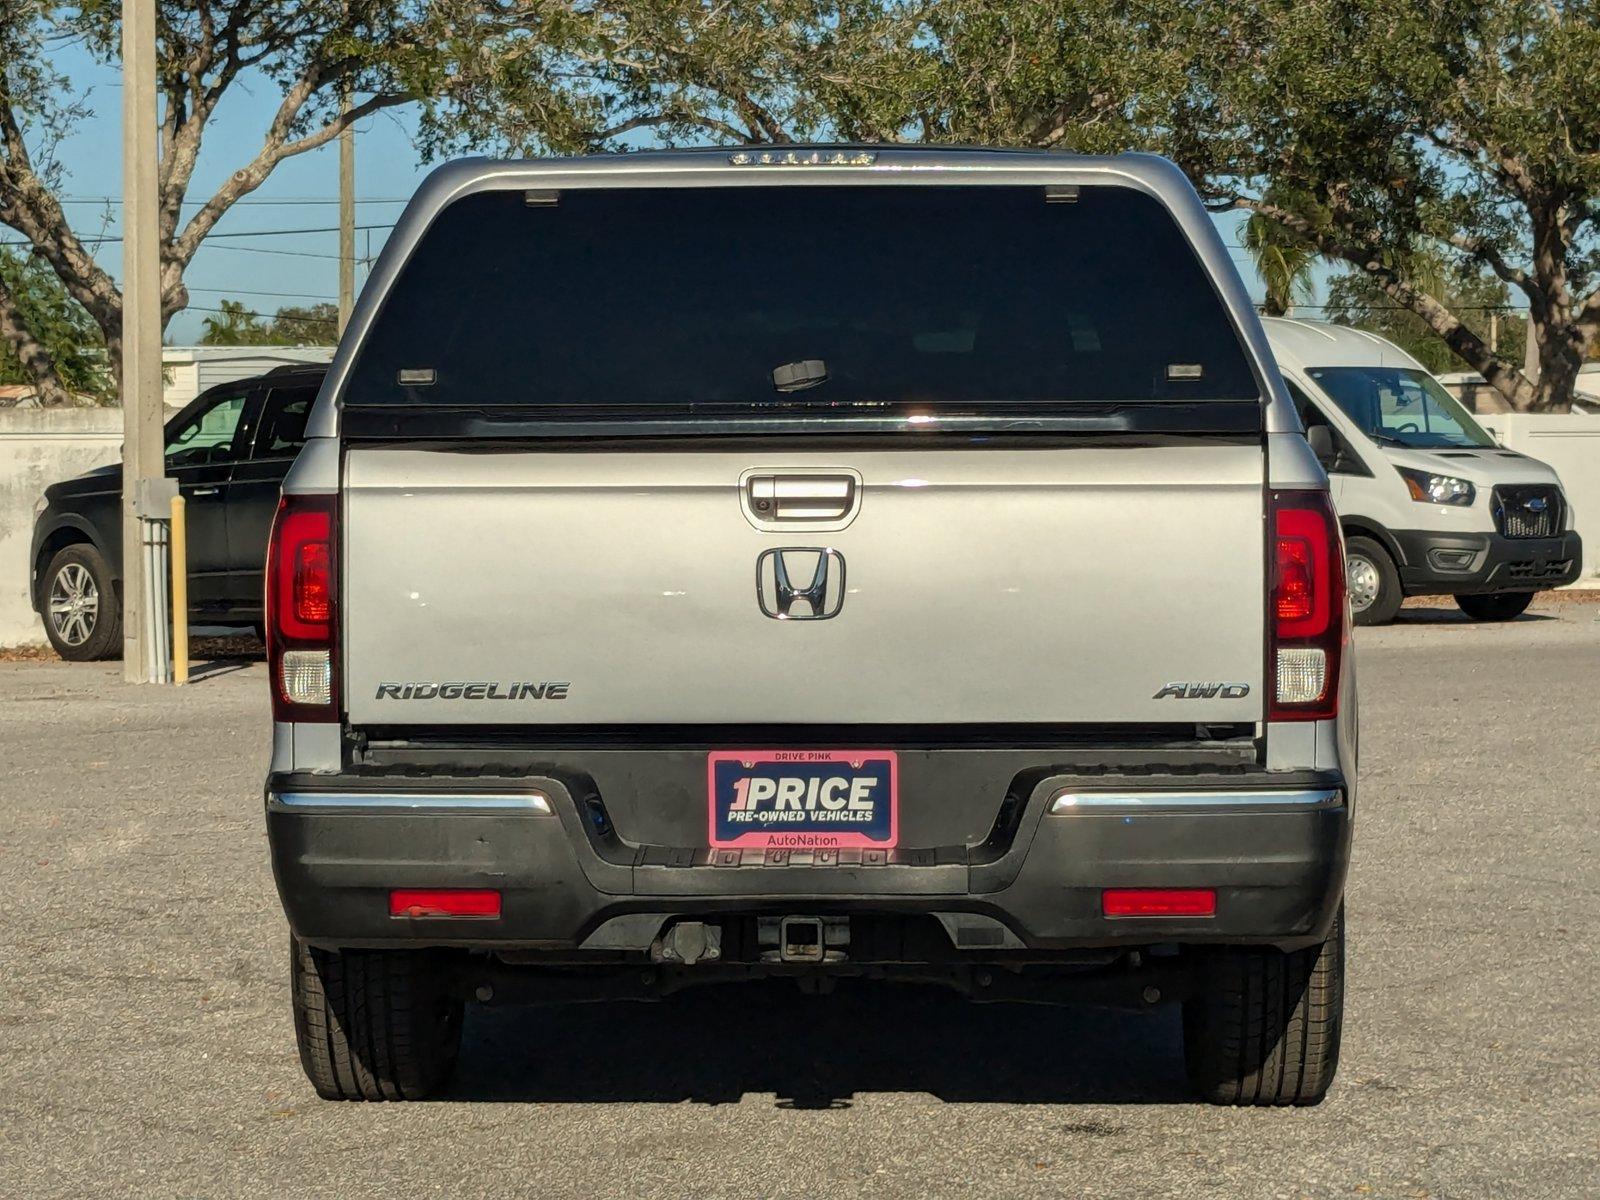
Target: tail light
302,610
1306,608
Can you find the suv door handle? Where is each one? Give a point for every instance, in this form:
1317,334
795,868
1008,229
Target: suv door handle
205,491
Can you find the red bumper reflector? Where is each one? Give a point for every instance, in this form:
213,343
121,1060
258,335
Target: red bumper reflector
444,902
1159,902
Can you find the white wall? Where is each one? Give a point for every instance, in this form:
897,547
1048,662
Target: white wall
1571,444
39,447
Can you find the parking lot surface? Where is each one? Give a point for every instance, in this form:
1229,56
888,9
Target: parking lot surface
146,1047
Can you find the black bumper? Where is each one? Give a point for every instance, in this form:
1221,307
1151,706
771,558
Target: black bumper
1277,866
1471,563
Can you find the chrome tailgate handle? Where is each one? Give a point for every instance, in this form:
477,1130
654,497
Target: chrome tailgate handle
793,498
822,499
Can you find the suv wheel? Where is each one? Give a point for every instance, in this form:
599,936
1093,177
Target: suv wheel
1500,606
1372,582
82,617
373,1024
1263,1026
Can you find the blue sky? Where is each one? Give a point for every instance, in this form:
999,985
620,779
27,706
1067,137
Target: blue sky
269,271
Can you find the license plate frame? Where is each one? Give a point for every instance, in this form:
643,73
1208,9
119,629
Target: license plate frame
828,817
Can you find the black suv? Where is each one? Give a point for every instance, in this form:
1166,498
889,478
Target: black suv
229,451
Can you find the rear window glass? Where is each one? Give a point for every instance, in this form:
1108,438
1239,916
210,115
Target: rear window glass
834,296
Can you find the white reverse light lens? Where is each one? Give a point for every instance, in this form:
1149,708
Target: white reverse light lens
1302,674
307,676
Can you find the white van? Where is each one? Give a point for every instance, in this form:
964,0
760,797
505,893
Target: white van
1430,504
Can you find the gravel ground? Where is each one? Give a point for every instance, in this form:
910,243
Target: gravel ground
146,1048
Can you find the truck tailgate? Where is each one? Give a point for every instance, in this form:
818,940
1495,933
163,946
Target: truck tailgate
1060,584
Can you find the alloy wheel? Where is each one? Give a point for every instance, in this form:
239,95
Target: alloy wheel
74,604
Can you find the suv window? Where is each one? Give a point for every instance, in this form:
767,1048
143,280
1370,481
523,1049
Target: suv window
679,299
209,435
283,422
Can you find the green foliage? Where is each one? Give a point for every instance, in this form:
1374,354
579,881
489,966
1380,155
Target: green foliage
293,325
1283,260
59,323
1476,297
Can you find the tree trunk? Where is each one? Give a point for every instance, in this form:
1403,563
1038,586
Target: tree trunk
36,360
1560,359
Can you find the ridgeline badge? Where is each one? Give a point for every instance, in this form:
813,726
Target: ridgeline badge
474,690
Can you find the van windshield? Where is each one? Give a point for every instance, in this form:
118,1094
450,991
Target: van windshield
829,297
1401,407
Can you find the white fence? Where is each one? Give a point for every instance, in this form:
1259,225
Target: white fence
1570,444
39,447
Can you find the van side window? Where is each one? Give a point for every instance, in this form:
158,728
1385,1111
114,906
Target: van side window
1309,413
1347,461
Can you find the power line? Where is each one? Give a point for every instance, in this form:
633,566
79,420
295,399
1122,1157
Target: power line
252,200
267,316
249,292
242,233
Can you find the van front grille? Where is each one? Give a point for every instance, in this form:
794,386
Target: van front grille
1527,511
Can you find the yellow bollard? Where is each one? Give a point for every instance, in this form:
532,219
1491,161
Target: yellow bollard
180,592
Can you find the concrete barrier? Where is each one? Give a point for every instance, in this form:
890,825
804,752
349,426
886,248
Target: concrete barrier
1571,444
39,447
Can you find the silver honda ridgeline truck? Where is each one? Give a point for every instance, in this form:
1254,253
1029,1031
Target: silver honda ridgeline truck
817,562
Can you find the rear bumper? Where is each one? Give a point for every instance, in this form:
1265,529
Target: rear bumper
1275,852
1465,563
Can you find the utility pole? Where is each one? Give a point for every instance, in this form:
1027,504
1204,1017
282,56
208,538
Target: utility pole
347,219
143,456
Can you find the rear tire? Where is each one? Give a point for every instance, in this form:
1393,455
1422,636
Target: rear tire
82,615
1372,582
373,1024
1263,1027
1498,606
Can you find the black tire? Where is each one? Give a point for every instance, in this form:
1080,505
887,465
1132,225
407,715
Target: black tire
1263,1026
81,634
1385,603
1496,606
373,1024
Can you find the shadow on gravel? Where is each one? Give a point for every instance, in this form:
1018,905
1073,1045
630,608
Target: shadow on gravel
716,1045
1454,616
213,656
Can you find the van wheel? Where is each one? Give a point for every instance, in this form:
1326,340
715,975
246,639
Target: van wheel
373,1024
1372,582
1263,1026
1499,606
82,616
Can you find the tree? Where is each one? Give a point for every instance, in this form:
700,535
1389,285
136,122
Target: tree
1466,128
1284,262
1478,298
1367,130
236,325
311,51
527,75
51,343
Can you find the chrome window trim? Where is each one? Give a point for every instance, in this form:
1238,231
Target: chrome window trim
1069,801
536,802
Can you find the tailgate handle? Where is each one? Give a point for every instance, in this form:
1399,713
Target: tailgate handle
800,497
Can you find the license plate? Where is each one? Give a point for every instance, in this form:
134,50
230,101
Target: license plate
803,799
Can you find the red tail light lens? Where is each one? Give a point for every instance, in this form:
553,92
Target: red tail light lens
1159,902
313,582
302,609
444,902
1307,606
